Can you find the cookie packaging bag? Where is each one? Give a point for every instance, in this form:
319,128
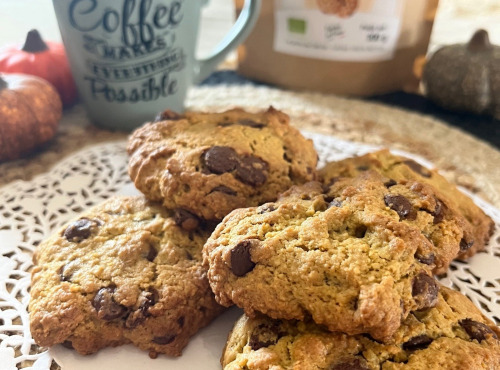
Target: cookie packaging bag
348,47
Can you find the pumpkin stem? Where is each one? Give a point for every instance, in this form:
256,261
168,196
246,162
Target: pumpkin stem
34,43
3,83
479,41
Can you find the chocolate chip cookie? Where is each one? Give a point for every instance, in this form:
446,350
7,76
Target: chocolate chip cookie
123,272
453,335
341,8
207,164
357,257
399,168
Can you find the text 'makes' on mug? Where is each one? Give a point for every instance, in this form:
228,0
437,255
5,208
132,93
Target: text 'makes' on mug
134,58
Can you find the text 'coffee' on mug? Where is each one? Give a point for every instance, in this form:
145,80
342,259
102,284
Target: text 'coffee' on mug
134,58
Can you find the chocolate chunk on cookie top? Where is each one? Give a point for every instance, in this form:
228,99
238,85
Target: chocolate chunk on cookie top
126,271
439,338
241,259
478,227
80,229
355,257
211,163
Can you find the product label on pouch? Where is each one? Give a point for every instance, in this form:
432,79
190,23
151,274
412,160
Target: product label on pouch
342,30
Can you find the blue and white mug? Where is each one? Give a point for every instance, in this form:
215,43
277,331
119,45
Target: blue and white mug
134,58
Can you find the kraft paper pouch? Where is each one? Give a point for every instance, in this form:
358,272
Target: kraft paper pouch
347,47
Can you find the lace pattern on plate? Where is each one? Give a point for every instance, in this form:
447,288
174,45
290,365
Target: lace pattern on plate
31,211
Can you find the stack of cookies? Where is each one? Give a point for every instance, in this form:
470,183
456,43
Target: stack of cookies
333,268
130,270
338,274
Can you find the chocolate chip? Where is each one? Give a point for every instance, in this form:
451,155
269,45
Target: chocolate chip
439,212
166,339
360,231
186,219
180,321
401,205
263,335
241,259
134,319
251,123
105,305
351,364
220,159
425,290
427,260
464,244
418,342
146,300
223,189
477,330
79,230
243,122
418,168
151,296
168,115
252,170
390,183
64,275
267,208
363,168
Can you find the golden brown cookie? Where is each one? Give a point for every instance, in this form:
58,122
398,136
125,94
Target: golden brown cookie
207,164
453,335
357,257
341,8
400,169
123,272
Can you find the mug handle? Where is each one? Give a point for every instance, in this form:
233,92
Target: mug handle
240,30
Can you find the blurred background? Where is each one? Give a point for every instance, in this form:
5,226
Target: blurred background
455,21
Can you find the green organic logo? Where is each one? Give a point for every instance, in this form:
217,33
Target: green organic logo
297,25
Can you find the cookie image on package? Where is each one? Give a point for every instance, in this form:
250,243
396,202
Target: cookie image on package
399,168
452,335
123,272
341,8
207,164
356,257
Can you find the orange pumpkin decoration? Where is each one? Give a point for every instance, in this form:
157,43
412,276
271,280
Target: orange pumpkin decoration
43,59
30,109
